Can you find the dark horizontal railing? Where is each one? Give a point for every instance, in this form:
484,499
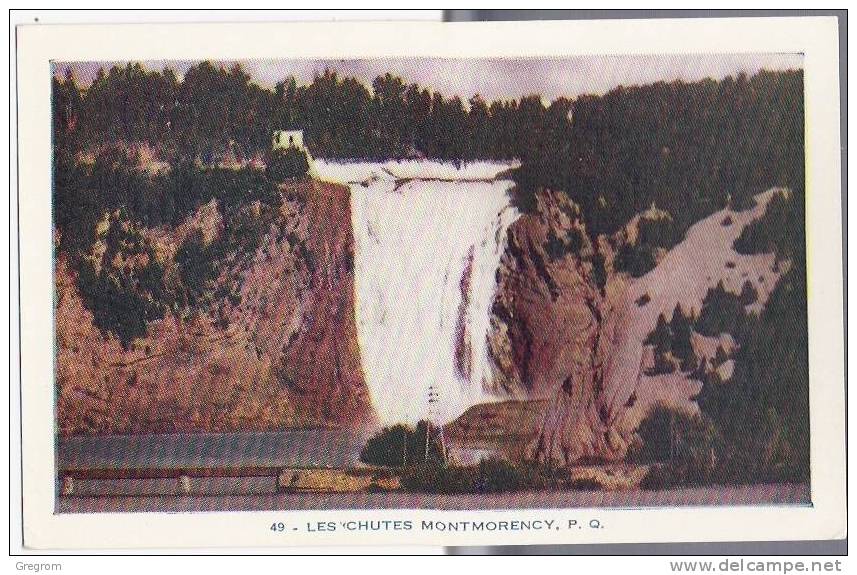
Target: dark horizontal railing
168,472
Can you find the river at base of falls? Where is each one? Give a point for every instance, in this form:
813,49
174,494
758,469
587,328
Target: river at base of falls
428,242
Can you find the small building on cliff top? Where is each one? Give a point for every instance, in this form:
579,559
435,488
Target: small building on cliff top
285,139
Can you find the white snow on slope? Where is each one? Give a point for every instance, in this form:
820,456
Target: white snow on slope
704,258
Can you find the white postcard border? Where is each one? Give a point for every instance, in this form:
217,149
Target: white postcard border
816,38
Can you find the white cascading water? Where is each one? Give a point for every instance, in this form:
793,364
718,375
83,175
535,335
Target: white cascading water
426,253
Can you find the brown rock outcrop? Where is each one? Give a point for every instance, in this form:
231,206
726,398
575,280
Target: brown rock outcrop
286,355
569,331
552,328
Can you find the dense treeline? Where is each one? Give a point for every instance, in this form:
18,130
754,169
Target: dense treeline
688,148
764,406
212,108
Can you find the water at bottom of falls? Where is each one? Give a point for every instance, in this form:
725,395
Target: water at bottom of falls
426,256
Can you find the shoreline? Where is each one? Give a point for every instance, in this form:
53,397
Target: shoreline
783,494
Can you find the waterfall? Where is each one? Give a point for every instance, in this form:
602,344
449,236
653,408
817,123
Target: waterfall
427,248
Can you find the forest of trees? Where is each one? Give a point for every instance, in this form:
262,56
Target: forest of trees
688,148
211,107
764,406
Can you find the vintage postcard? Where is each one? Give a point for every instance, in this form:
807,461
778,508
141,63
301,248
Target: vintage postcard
431,283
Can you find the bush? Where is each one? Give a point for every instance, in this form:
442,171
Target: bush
657,232
437,478
287,164
557,247
122,298
402,445
681,328
689,363
660,337
720,356
675,338
687,445
760,450
637,260
599,271
245,228
749,295
662,365
722,312
498,476
116,306
654,432
697,445
585,484
780,230
197,264
489,476
640,258
659,477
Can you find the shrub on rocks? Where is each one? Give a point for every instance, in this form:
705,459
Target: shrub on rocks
287,164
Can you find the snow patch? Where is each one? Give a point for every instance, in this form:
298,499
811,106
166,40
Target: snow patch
698,263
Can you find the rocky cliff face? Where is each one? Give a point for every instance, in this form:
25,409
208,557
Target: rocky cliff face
553,319
569,330
282,354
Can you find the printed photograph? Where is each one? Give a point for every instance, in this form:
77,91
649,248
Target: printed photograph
485,283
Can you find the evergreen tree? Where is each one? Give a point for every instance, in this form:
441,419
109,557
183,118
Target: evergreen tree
749,295
661,337
681,329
